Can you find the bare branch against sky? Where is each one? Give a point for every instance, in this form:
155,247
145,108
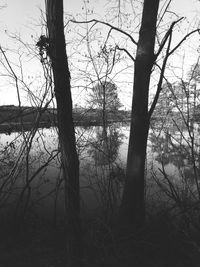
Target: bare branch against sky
24,22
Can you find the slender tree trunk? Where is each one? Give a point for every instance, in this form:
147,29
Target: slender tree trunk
104,108
59,61
132,210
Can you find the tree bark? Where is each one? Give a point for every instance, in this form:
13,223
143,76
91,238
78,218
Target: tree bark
70,161
132,210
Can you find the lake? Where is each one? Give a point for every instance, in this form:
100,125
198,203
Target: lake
31,177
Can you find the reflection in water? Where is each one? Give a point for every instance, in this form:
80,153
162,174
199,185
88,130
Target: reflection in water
102,152
102,175
177,148
29,179
104,148
32,179
175,175
167,152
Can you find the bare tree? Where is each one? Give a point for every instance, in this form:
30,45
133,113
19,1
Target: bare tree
55,47
132,207
146,60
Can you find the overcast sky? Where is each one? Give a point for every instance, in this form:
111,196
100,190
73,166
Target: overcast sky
22,16
20,12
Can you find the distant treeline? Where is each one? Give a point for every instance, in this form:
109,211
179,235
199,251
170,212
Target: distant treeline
12,117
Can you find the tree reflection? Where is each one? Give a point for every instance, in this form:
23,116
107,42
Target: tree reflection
104,148
170,149
106,175
166,151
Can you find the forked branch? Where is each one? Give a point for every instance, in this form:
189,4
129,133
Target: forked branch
112,27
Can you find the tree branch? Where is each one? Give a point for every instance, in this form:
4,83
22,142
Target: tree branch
126,51
168,33
165,10
185,37
107,24
159,86
168,53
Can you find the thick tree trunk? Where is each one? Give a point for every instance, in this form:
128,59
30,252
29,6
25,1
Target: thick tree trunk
133,202
59,61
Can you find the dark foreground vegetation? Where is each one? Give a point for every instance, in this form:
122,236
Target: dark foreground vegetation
163,242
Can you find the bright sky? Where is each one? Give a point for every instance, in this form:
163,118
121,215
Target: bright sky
23,16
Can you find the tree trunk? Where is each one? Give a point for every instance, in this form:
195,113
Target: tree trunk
132,210
61,74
